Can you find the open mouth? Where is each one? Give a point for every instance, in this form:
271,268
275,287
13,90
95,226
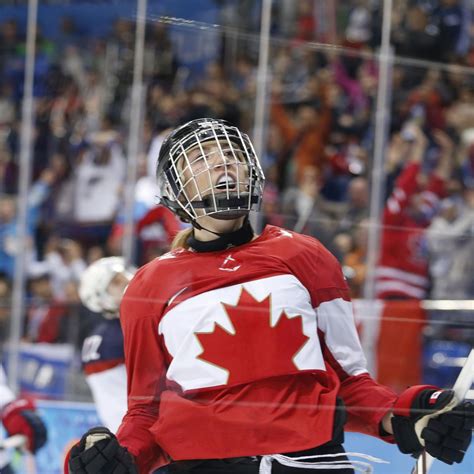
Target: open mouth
226,181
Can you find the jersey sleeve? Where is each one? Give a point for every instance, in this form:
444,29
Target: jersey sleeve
145,366
6,395
405,187
366,401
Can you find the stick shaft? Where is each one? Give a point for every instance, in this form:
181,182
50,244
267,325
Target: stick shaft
15,441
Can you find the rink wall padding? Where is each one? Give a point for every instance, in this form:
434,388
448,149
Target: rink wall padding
67,421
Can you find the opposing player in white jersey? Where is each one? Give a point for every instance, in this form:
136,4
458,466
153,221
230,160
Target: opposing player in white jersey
101,289
19,417
239,346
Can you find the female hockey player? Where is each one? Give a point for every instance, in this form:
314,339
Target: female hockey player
19,416
101,289
240,346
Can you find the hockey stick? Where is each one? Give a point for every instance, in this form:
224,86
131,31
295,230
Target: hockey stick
461,387
13,442
20,442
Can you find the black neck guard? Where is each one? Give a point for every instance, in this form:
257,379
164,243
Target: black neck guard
224,241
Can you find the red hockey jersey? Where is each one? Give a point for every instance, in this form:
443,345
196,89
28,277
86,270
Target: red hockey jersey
403,265
242,352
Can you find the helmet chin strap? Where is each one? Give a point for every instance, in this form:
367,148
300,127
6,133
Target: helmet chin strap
224,240
200,227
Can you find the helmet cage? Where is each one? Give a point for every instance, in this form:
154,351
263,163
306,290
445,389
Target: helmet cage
233,153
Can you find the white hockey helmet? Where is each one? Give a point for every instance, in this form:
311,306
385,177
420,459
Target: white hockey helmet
95,281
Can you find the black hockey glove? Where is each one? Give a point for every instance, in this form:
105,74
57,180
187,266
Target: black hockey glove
99,452
426,417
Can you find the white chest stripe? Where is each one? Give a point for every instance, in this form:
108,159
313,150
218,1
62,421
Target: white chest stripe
201,313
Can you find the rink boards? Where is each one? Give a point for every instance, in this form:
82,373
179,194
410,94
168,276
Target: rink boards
67,421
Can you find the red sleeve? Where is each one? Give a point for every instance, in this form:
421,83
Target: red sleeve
145,365
152,216
405,186
164,216
172,225
366,401
437,185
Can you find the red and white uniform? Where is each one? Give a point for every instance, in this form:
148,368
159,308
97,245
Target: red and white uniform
104,369
403,266
242,352
6,396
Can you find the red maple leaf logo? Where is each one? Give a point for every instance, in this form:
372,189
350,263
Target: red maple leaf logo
256,350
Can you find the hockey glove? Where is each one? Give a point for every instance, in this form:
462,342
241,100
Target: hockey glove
98,451
20,417
426,417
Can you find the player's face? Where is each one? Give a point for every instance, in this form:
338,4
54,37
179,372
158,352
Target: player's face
117,286
213,168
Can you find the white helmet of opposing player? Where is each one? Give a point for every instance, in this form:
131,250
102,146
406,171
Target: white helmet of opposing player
96,289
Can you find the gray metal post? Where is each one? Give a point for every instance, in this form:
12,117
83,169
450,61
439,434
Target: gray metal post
382,121
262,83
134,131
26,134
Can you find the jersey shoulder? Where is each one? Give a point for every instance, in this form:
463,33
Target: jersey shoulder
310,261
299,245
149,289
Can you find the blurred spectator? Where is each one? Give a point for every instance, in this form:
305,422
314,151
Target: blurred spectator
305,21
160,62
63,263
358,29
154,226
355,261
271,212
452,18
96,99
100,174
350,71
8,173
66,108
451,245
397,150
402,271
94,253
304,137
7,108
356,208
467,159
344,162
304,210
9,244
69,32
57,209
46,317
5,306
417,36
10,43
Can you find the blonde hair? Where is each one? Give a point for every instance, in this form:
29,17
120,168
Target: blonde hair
181,239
